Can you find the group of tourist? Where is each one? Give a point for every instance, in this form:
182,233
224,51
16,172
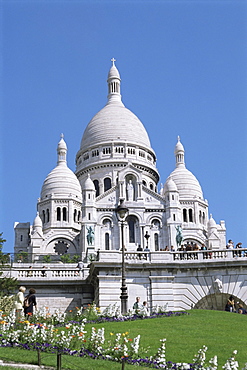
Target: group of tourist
237,249
232,307
141,308
24,304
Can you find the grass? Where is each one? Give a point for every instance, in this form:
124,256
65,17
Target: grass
221,332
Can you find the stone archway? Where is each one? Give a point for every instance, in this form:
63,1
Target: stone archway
217,301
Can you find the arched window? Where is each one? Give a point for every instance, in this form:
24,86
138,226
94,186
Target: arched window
43,216
107,223
107,183
107,241
155,224
64,214
190,215
185,215
58,214
200,217
151,187
156,241
203,218
75,214
47,215
144,182
79,216
96,185
132,223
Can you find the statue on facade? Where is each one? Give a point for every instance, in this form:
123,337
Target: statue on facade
218,286
130,191
90,235
179,236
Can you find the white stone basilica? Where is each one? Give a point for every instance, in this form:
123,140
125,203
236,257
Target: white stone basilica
76,211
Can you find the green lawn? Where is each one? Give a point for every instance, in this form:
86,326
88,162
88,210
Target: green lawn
221,332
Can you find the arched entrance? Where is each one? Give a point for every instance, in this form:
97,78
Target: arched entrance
217,301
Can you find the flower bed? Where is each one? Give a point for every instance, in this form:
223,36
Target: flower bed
72,339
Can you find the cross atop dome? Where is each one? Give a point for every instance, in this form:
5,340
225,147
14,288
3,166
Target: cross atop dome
113,60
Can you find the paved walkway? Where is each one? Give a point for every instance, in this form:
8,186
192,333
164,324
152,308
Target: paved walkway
25,366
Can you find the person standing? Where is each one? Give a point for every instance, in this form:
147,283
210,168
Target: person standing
19,299
30,302
145,308
230,305
137,306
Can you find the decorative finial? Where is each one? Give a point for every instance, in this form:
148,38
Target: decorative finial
62,136
113,60
178,138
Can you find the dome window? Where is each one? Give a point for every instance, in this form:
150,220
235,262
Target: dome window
144,183
43,216
64,214
79,216
95,153
96,185
119,149
106,150
75,215
151,187
185,218
131,151
141,154
190,215
48,215
58,214
107,183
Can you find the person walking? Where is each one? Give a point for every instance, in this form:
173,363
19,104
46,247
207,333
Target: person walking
30,302
19,299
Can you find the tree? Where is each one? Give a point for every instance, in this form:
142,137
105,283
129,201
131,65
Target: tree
8,285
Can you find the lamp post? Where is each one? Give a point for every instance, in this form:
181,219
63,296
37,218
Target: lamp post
146,236
122,212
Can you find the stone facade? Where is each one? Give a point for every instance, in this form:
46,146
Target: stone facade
76,211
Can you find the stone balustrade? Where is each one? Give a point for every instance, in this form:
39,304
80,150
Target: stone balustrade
69,272
51,273
173,257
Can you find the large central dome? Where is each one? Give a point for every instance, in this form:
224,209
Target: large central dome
114,121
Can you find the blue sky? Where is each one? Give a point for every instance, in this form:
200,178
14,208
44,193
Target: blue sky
183,70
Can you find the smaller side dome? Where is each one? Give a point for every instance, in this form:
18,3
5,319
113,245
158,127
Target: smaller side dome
88,184
61,181
211,223
187,184
37,221
37,225
170,186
